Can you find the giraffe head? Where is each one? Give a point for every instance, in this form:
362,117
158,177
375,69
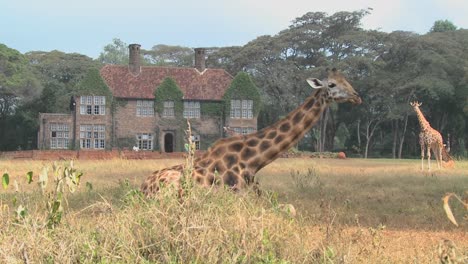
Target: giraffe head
337,86
415,104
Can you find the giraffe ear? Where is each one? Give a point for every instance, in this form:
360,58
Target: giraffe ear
315,83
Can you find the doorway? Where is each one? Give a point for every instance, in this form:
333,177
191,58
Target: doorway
169,142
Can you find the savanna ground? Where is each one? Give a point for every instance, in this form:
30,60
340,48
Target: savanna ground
346,211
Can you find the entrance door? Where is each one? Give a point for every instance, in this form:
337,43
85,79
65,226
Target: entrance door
169,142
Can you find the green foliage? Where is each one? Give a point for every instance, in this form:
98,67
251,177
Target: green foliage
166,55
115,53
242,87
443,26
169,91
5,180
213,109
93,84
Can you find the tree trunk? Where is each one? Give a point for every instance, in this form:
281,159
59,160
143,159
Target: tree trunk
370,129
395,137
402,138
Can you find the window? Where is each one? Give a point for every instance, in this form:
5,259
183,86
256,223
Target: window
93,105
92,136
191,109
145,141
145,108
59,136
243,130
168,110
196,141
242,109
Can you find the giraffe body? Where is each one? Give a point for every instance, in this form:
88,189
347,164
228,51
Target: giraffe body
234,161
429,139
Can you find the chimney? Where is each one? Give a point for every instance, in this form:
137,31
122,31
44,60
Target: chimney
134,58
200,59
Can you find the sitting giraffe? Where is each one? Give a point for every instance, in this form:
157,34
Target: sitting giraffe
235,160
429,138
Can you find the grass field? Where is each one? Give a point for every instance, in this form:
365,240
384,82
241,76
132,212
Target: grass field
347,211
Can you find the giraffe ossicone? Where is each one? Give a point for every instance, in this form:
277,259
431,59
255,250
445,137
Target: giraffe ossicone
235,160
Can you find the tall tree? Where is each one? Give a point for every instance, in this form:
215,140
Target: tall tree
443,26
114,53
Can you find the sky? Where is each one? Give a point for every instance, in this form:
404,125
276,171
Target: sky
86,26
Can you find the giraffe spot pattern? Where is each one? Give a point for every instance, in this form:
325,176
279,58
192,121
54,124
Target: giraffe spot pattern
236,147
265,145
309,104
230,160
230,178
278,139
271,135
247,153
298,117
252,142
285,127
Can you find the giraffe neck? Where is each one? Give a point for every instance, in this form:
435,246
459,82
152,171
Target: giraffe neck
285,133
422,120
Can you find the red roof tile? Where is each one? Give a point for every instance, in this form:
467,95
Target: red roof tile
209,85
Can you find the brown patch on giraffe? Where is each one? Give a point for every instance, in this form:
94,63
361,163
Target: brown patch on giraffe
285,127
236,169
199,180
298,117
248,153
218,166
309,104
230,178
236,147
271,135
230,160
265,145
205,163
278,139
252,142
218,151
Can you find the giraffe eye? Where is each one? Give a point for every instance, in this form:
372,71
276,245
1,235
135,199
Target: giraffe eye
331,85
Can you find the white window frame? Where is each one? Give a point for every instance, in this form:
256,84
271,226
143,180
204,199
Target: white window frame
196,141
145,141
92,105
241,109
93,136
59,136
191,109
145,108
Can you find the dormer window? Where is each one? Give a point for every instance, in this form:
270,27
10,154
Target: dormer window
93,105
242,109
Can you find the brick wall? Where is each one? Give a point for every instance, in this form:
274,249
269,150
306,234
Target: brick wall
86,155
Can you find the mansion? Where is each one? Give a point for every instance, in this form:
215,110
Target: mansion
94,122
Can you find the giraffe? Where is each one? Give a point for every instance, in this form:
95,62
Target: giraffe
235,160
429,138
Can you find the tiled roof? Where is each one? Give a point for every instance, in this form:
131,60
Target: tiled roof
211,84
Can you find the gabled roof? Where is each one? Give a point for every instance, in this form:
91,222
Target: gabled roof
211,84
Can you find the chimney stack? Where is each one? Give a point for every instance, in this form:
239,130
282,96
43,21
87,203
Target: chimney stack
134,58
200,59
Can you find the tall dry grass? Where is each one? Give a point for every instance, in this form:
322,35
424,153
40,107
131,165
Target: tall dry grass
351,211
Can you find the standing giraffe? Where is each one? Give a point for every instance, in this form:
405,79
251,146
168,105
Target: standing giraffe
234,161
429,138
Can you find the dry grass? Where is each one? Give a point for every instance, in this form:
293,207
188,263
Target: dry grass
348,211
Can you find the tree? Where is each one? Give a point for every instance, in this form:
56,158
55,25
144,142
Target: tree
442,26
61,72
166,55
18,86
115,53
